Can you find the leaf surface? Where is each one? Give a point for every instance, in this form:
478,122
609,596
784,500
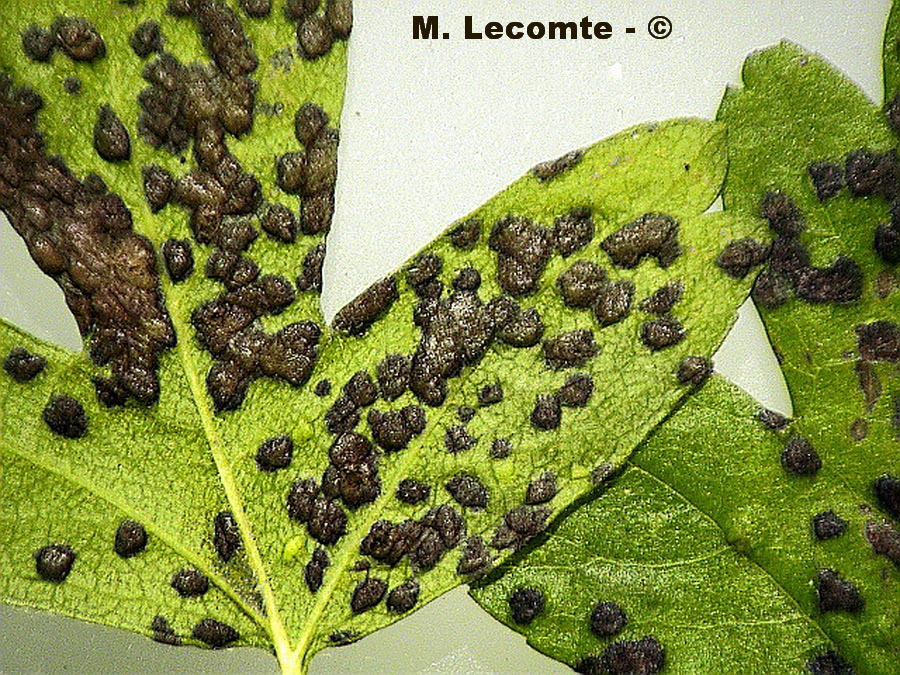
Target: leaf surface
198,374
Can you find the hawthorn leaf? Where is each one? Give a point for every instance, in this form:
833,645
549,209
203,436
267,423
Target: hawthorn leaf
325,481
706,545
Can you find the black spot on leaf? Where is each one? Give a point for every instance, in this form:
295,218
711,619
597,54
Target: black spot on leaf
65,416
467,490
179,259
828,525
489,395
465,235
468,279
54,562
694,370
613,303
570,350
741,255
839,283
652,234
872,173
327,521
38,43
775,421
393,376
410,491
887,492
519,525
309,121
577,391
782,213
501,448
23,366
547,413
884,540
189,583
111,139
458,439
215,633
573,231
827,179
607,619
837,594
664,299
887,242
163,633
800,458
357,316
542,489
226,535
581,284
771,289
633,657
523,248
131,538
275,453
300,499
315,569
256,9
77,38
547,171
525,605
879,341
662,333
829,663
367,594
279,223
476,560
403,598
159,186
146,39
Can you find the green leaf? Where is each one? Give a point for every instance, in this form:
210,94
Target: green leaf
179,441
706,540
707,544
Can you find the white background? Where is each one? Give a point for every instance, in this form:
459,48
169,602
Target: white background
431,129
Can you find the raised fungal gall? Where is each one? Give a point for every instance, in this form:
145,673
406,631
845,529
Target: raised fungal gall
23,366
467,490
519,525
547,412
770,289
694,370
404,597
314,36
887,493
887,242
525,605
653,234
547,171
476,560
879,341
607,619
146,39
54,562
542,489
301,498
465,413
468,279
358,315
38,43
215,633
78,39
884,540
310,279
828,525
367,594
465,235
742,255
179,259
827,178
327,521
163,632
159,186
577,391
411,491
782,213
573,231
279,223
226,535
65,416
570,350
872,173
523,249
131,538
664,299
839,283
111,139
837,594
525,328
490,394
661,333
422,276
309,121
800,458
580,285
613,303
361,389
458,439
189,583
256,9
314,571
633,657
501,448
275,453
72,85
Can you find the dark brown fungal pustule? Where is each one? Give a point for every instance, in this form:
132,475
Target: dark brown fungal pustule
573,231
577,391
613,302
256,9
279,223
651,235
215,633
327,521
465,413
661,333
828,525
501,448
179,259
411,491
490,394
353,472
38,43
542,489
800,458
570,350
467,279
458,439
836,594
130,539
340,638
633,657
316,213
887,241
83,237
664,299
23,366
358,315
887,493
314,571
872,173
310,278
314,36
78,39
111,139
54,562
581,284
839,283
163,632
146,39
467,490
72,85
226,535
342,416
884,540
519,525
404,597
65,416
869,383
275,453
879,341
476,560
525,605
523,249
189,583
466,235
829,663
607,619
788,257
159,186
827,179
301,498
547,171
367,594
323,388
859,429
339,15
742,255
392,374
391,430
524,329
360,389
694,370
782,213
547,412
388,542
309,121
770,289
